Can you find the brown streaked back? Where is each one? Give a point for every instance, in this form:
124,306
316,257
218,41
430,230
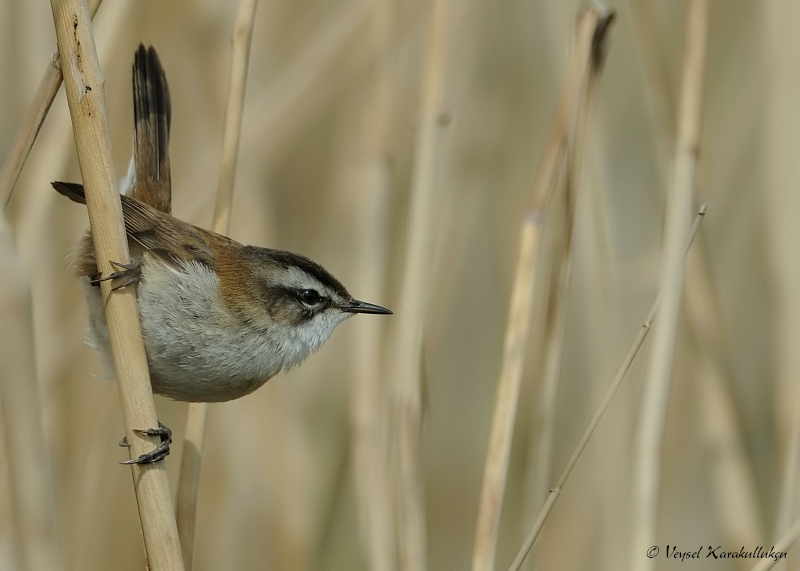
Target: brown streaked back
174,241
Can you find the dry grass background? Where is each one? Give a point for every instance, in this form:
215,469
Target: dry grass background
331,115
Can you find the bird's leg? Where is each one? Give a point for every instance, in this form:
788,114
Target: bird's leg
131,273
159,452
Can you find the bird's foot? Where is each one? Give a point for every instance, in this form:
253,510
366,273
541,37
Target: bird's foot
129,272
159,452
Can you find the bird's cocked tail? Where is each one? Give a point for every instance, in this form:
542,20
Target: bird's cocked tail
152,115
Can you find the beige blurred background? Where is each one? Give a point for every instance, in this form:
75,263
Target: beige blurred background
325,170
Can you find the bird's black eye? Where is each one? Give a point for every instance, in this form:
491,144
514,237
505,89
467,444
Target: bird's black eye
309,296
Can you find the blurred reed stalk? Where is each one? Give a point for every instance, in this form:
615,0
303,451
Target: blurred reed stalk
518,326
554,332
368,403
414,294
731,467
323,67
32,488
735,490
34,526
32,122
783,544
786,507
781,124
41,267
648,37
189,479
601,409
85,94
647,464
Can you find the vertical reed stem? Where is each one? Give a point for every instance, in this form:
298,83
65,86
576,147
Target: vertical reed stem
783,544
85,94
412,307
33,121
368,404
518,326
554,335
601,409
189,479
33,502
647,468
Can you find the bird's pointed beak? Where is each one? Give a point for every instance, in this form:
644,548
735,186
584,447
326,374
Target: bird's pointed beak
356,306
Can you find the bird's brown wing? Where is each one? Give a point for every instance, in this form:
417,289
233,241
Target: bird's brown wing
174,241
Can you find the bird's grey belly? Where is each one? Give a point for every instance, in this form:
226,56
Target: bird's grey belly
204,366
196,350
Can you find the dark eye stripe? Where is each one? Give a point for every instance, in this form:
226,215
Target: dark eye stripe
284,305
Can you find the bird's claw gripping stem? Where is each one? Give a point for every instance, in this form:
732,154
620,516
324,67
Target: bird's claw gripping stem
130,272
159,452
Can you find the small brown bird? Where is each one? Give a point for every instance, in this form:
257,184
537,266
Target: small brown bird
219,319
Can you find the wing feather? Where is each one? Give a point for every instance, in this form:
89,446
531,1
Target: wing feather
172,240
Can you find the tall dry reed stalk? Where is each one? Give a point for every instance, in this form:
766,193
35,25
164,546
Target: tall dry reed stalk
783,544
722,425
35,531
647,468
735,489
36,538
555,492
189,481
660,96
780,125
291,100
566,203
20,417
369,420
85,94
413,304
32,123
517,328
